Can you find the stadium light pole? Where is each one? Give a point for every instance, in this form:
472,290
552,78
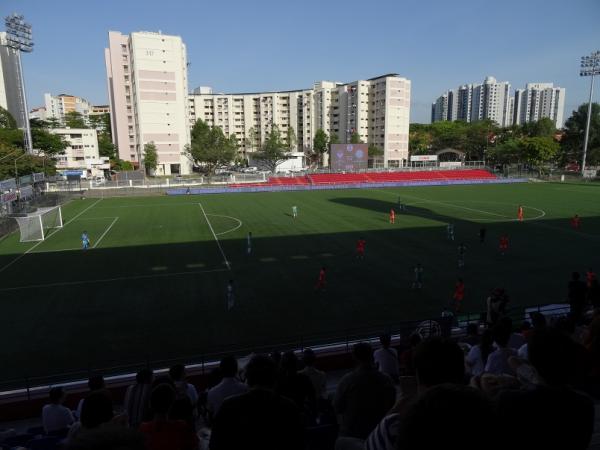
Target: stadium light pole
18,37
590,66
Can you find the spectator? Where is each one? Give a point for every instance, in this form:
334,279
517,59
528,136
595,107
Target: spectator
538,322
478,355
407,356
472,338
516,340
56,418
296,386
434,420
551,415
96,410
593,293
317,377
95,383
437,361
386,358
228,386
576,295
137,398
363,396
162,433
177,374
497,362
258,418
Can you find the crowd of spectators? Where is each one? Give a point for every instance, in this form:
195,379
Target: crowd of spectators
498,385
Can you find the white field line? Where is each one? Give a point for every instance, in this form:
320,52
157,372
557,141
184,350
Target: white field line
108,280
457,206
49,235
146,205
228,217
105,232
215,236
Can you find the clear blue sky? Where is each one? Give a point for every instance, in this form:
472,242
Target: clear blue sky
241,45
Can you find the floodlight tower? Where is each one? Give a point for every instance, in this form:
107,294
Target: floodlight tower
18,37
590,66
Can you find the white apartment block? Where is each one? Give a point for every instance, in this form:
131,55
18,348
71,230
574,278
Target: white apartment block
57,106
539,100
491,100
378,110
148,95
82,151
473,102
10,87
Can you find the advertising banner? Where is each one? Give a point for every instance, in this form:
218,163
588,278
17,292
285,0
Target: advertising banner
349,157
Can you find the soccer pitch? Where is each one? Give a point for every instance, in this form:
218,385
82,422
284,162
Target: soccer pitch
153,284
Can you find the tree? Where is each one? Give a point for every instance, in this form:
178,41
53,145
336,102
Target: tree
539,150
11,137
375,151
74,119
7,120
572,142
333,139
448,135
100,123
253,139
355,138
150,157
53,122
542,128
25,164
507,152
106,147
210,147
320,144
290,138
49,143
121,165
420,139
273,151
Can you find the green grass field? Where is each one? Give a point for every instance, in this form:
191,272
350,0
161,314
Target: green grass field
153,285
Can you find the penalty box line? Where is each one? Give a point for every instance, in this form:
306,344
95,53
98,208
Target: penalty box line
215,236
108,280
52,233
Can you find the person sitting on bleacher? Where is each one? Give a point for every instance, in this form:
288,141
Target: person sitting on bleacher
228,386
436,361
260,418
363,396
56,418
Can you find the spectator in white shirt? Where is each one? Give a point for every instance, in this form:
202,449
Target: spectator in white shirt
497,362
55,416
386,358
478,354
317,377
177,374
228,387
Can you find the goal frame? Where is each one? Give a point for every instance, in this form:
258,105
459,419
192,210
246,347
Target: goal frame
39,216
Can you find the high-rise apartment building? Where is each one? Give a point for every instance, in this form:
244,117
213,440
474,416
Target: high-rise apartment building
148,95
539,100
57,106
378,110
10,87
473,102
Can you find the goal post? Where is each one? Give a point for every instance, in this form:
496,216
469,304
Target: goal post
34,226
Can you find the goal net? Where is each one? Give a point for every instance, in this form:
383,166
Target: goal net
34,226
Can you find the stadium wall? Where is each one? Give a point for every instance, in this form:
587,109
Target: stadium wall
333,186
